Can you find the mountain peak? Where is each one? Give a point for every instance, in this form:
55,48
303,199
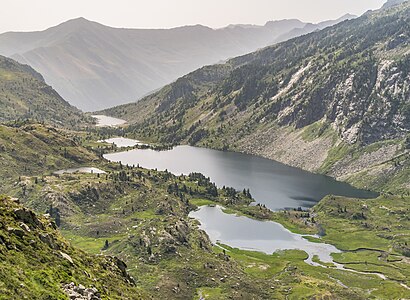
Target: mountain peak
79,20
246,26
77,23
285,22
196,26
347,17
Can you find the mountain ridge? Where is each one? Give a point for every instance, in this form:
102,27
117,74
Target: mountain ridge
94,66
310,102
25,95
311,27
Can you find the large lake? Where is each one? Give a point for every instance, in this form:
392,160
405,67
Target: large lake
271,183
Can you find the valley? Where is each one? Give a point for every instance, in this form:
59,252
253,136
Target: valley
143,217
279,174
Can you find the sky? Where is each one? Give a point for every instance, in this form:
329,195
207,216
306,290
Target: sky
32,15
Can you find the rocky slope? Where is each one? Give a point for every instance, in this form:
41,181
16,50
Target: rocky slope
94,66
25,95
338,95
38,263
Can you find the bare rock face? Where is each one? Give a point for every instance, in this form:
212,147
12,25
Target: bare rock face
121,265
365,105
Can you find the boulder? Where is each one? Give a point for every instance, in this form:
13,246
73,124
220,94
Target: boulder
24,227
68,257
28,217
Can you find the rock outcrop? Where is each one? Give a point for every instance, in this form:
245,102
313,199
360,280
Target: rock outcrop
80,292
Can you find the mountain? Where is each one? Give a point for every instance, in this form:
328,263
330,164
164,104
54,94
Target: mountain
308,28
38,263
94,66
335,101
24,94
391,3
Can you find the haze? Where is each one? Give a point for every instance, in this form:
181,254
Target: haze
28,15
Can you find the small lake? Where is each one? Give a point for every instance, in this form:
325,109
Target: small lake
105,121
122,142
89,170
271,183
263,236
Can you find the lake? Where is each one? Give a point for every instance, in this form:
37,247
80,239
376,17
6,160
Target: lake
89,170
105,121
121,142
263,236
271,183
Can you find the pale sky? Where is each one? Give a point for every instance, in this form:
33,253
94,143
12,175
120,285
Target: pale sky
30,15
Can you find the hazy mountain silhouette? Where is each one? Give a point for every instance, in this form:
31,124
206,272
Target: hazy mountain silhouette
95,66
308,28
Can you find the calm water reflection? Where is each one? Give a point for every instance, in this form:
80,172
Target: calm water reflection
123,142
105,121
249,234
271,183
89,170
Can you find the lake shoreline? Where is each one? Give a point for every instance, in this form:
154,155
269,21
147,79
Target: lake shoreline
294,241
272,183
163,147
249,212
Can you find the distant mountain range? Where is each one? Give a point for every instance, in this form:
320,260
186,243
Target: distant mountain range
310,27
94,66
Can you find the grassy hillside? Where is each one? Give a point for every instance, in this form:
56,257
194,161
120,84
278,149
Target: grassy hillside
338,95
34,149
141,216
36,261
25,95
